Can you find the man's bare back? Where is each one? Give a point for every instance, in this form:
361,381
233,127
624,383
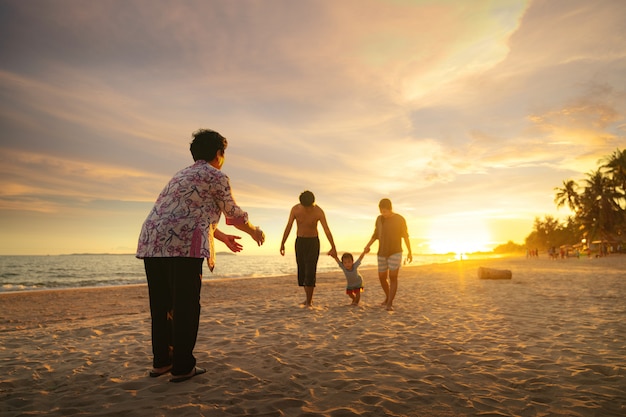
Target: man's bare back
307,219
306,215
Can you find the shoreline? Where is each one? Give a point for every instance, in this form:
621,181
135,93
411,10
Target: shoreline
208,276
488,257
549,341
32,274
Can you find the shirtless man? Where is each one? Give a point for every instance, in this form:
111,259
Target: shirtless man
307,214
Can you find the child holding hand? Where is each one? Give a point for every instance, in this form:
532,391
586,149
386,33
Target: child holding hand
354,284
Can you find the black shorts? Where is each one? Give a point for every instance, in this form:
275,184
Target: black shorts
307,254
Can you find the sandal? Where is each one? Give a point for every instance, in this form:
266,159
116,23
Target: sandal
165,370
196,371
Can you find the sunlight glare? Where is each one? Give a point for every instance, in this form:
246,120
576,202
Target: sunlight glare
459,235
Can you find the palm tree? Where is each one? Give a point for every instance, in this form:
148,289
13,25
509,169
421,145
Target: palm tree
599,212
567,195
616,167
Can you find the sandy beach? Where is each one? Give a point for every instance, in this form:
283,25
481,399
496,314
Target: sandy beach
549,342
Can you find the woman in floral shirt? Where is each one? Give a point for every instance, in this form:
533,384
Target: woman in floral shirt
175,238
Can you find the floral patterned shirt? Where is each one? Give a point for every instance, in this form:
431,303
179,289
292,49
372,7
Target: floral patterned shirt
186,214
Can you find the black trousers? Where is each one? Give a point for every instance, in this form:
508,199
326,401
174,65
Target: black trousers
307,255
174,287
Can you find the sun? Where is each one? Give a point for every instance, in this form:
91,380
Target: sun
458,234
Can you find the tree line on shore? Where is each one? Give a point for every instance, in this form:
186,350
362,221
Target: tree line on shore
598,204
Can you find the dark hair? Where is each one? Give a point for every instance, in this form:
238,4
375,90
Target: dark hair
307,198
385,203
206,143
347,256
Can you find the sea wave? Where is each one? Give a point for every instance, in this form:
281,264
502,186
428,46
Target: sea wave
28,273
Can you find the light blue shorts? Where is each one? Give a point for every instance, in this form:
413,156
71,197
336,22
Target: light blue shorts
391,263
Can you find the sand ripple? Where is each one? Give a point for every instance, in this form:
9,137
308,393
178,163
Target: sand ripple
549,342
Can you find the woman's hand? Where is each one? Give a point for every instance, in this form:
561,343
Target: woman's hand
231,242
258,236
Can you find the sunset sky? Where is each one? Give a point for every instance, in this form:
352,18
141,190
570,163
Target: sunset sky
466,114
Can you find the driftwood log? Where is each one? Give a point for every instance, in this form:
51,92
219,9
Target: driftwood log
490,273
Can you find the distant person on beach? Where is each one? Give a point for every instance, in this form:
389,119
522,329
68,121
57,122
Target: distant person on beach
175,238
390,229
354,280
307,215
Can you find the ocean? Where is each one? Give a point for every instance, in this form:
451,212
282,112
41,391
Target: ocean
31,273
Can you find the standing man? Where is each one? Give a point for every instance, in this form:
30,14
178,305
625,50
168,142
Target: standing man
307,214
390,229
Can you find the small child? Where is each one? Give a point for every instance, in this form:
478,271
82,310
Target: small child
354,285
